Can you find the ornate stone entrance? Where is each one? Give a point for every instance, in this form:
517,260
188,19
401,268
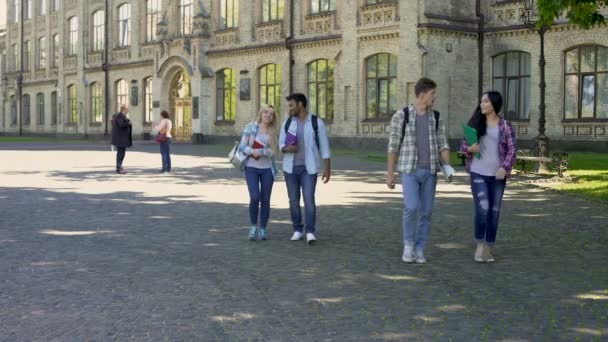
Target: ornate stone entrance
180,105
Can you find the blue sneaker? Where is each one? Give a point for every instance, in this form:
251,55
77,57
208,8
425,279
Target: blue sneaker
262,233
252,232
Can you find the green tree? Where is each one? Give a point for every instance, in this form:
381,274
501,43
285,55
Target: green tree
584,13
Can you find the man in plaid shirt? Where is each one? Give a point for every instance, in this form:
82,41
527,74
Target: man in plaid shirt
418,153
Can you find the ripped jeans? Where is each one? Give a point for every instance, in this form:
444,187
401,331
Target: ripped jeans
487,195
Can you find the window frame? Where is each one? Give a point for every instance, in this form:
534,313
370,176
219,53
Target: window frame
41,55
73,25
382,117
184,7
55,51
54,108
581,75
328,82
121,96
96,97
40,109
225,93
27,109
272,14
521,78
229,15
331,7
152,16
123,13
277,84
148,108
72,108
98,42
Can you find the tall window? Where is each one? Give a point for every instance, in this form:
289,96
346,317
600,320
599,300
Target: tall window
73,36
41,64
185,17
13,110
40,109
319,6
99,21
586,83
381,86
55,51
72,104
15,12
54,5
27,51
27,9
96,109
41,7
272,10
148,99
54,108
15,59
321,88
225,95
152,17
124,25
269,83
26,110
122,93
511,77
229,14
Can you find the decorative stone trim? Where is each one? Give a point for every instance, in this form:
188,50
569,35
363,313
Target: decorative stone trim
438,32
378,15
41,23
27,27
380,36
70,62
54,20
375,128
27,76
227,37
94,58
585,130
322,23
247,51
119,55
269,32
40,75
147,51
319,43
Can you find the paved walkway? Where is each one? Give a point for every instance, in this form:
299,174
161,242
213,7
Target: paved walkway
88,255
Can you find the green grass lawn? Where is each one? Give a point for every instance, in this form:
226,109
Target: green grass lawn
590,173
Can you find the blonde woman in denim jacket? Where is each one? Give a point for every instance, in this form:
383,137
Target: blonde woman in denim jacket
259,143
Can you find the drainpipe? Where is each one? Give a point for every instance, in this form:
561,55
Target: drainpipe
480,42
288,43
106,67
20,77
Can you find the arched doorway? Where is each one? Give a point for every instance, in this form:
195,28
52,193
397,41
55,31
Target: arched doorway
180,104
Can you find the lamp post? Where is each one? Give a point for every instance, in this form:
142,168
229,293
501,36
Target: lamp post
542,141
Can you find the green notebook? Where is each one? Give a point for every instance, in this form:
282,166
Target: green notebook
470,135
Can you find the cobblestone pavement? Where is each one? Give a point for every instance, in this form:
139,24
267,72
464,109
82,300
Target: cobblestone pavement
86,255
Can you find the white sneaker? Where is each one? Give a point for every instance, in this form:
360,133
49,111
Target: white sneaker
420,259
296,236
407,254
310,238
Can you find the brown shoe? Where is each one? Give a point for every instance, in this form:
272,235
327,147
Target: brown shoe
487,255
479,252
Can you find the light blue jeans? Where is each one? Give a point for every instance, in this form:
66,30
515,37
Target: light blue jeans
418,197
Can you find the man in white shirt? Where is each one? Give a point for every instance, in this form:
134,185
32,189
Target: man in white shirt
303,141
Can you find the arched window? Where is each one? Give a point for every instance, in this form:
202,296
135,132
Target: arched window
320,81
122,93
99,22
229,14
54,108
13,110
586,83
152,17
272,10
381,86
96,103
72,104
27,51
185,17
40,109
55,51
225,95
148,99
26,110
124,25
511,77
73,36
269,86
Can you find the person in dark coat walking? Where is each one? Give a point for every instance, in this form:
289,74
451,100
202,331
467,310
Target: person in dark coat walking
121,136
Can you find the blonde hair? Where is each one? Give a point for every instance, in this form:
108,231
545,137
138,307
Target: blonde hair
272,130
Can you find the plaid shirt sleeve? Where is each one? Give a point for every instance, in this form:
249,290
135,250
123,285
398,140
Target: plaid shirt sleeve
394,137
511,148
244,145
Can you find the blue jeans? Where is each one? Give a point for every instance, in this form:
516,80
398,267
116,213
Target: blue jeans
300,179
165,154
487,195
259,183
418,195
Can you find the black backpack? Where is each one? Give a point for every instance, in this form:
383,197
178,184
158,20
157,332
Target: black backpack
315,127
406,120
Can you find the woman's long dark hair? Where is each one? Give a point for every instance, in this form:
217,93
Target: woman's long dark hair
478,120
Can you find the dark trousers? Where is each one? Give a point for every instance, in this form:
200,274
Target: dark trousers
487,195
259,183
120,156
166,155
